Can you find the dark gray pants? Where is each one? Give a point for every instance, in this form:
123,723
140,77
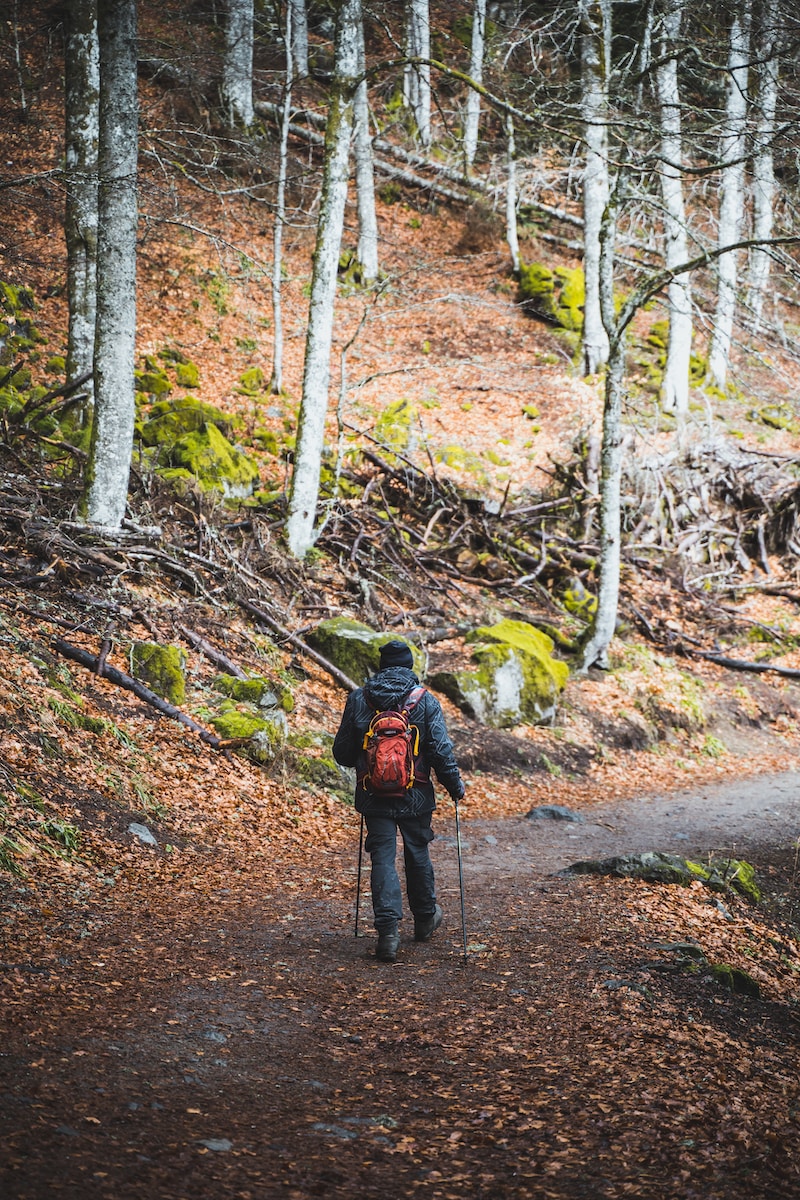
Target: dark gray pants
381,845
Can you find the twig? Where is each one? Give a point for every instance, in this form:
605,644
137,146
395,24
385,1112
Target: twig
319,659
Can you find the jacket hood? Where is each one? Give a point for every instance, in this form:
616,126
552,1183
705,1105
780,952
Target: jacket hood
389,688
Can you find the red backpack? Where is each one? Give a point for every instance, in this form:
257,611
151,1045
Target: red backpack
390,749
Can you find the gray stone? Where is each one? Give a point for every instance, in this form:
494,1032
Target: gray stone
142,833
218,1144
554,812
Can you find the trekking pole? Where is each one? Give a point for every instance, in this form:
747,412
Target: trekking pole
461,882
358,879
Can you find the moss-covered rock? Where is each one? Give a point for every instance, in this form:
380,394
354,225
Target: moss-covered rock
721,875
514,679
736,980
578,600
252,382
355,648
263,735
153,382
258,691
187,374
162,668
216,464
557,296
169,420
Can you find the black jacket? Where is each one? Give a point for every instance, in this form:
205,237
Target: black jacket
389,689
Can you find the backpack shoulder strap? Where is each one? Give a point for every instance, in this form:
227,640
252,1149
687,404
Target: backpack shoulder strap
413,698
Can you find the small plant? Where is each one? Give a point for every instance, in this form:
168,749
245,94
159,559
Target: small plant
713,747
551,767
8,851
61,832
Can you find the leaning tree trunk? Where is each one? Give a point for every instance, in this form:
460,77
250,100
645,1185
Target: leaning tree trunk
82,118
679,296
417,75
731,206
365,174
115,334
764,183
316,374
237,66
595,18
472,121
276,380
299,27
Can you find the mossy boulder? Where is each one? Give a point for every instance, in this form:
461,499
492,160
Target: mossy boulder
355,648
252,382
153,382
736,980
162,668
557,296
187,374
170,420
216,464
262,735
514,679
722,875
257,690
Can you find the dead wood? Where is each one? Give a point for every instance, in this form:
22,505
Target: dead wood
294,640
211,653
120,679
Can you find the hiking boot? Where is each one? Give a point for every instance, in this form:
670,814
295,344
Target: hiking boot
388,945
425,927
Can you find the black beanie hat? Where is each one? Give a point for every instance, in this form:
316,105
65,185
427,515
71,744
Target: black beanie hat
396,654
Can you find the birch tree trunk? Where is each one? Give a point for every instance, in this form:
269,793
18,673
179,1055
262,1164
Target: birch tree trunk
115,333
237,67
472,121
316,374
276,379
417,76
365,175
764,184
731,204
596,650
299,27
511,195
82,119
679,296
595,24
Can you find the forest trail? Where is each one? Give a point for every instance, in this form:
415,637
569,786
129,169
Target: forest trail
229,1037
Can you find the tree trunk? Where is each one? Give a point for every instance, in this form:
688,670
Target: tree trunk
299,27
316,373
365,174
511,196
237,67
115,334
596,651
731,206
764,184
417,75
276,380
82,117
679,296
476,72
595,18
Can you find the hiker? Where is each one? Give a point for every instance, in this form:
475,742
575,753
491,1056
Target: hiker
394,685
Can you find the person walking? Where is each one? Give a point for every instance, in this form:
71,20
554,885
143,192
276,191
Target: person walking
411,813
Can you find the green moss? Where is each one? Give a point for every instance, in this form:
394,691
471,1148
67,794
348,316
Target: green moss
187,374
153,383
736,980
557,296
162,668
397,425
263,736
169,420
530,411
579,600
171,354
258,691
217,465
267,440
355,648
252,382
15,299
56,365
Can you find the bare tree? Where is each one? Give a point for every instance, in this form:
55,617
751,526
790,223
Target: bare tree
417,75
679,296
237,66
764,183
115,332
276,380
595,30
82,120
477,47
731,205
299,27
316,372
365,174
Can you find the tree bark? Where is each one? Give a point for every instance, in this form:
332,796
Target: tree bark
472,121
365,174
82,120
237,67
511,195
764,183
679,296
731,204
316,373
595,21
115,335
299,39
417,75
276,380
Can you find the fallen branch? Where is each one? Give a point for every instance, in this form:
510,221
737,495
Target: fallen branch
212,654
742,664
94,664
319,659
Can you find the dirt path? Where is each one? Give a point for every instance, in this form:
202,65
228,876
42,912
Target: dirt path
232,1038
